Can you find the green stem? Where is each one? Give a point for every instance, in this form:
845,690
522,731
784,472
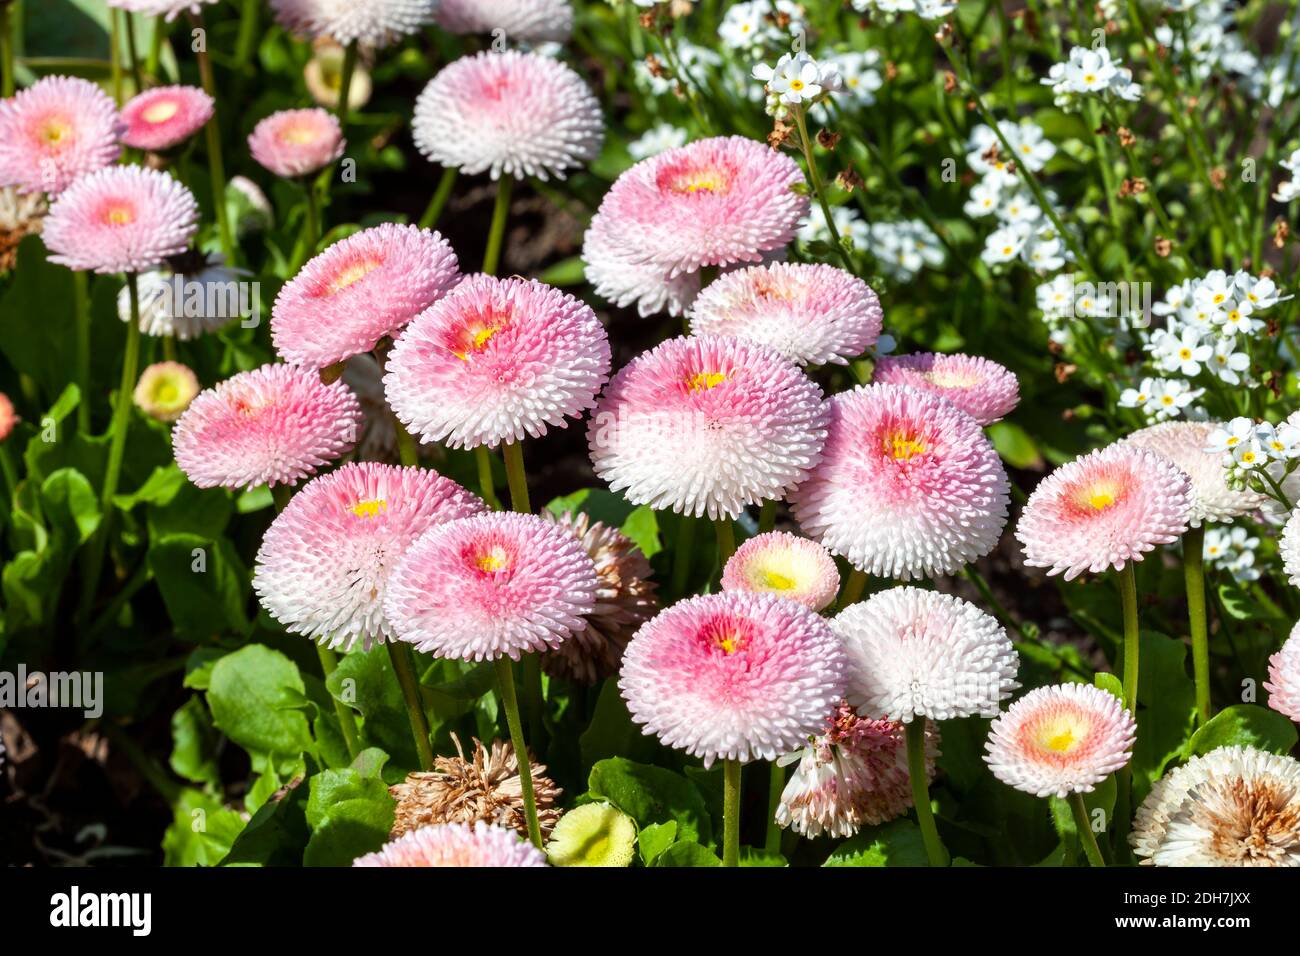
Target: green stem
767,516
399,652
7,25
1087,838
506,679
534,701
440,196
347,719
213,133
81,366
731,812
497,232
155,47
815,177
114,52
775,785
726,540
133,53
345,82
991,600
518,480
682,554
408,453
934,850
486,483
853,588
1128,600
1194,579
248,23
8,472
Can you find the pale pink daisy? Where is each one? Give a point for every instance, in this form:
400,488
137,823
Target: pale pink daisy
8,417
1104,510
297,142
495,361
120,219
165,390
168,9
917,653
1283,684
1288,546
269,426
371,23
853,775
359,290
1183,443
498,585
456,844
521,114
909,485
785,565
811,313
734,676
522,21
326,562
982,389
707,425
58,129
165,116
624,283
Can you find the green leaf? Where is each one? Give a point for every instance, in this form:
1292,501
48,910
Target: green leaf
353,828
566,272
652,795
757,856
203,584
254,695
1165,719
1109,683
201,832
642,526
611,732
1015,446
276,833
687,853
194,743
70,505
1244,725
331,787
654,838
897,843
364,680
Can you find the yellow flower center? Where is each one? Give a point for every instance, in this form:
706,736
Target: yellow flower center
796,85
903,447
161,111
119,215
705,381
1061,734
1184,353
1100,496
370,509
353,274
1219,297
299,134
1248,458
1090,78
492,560
700,181
55,130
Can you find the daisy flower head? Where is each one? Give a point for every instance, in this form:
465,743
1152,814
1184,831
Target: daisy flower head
908,486
593,834
513,113
1283,684
161,118
918,653
292,143
186,296
734,676
120,219
522,21
707,425
168,9
983,389
812,313
8,417
1062,739
270,426
1235,806
625,283
785,565
1184,445
1104,510
359,290
326,562
496,585
58,129
371,23
495,361
165,390
456,844
854,775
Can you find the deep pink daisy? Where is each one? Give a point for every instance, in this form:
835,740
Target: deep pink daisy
735,676
982,389
56,130
909,485
522,21
456,844
707,425
1283,684
496,360
162,117
785,565
297,142
498,585
810,313
271,426
1103,510
1059,740
359,290
120,219
325,563
522,114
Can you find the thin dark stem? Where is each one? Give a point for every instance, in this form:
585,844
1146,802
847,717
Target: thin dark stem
509,703
775,785
399,652
213,133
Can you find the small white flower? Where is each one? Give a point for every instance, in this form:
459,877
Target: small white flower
1004,244
1227,363
798,78
985,198
1183,352
656,140
1249,454
1170,396
1228,436
1237,319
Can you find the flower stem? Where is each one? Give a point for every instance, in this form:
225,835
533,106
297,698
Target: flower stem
934,850
7,25
133,53
486,483
115,52
440,197
347,719
534,702
731,812
1194,579
345,82
399,652
682,554
1087,838
506,678
213,133
776,784
1128,600
81,368
497,232
726,540
514,455
853,588
407,451
815,178
248,23
767,516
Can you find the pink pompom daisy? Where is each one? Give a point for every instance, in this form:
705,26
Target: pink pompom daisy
1283,684
456,844
853,775
917,653
270,426
163,117
371,23
785,565
1059,740
325,563
625,283
58,129
523,21
521,114
1183,443
498,585
1103,510
120,219
496,360
982,389
297,142
734,676
707,425
168,9
909,485
810,313
359,290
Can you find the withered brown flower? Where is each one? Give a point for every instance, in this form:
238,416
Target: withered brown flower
20,215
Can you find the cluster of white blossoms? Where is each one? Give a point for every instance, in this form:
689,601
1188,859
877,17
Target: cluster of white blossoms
1160,399
1205,36
1289,189
1090,72
762,24
1258,455
925,9
656,140
859,75
797,79
1232,550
